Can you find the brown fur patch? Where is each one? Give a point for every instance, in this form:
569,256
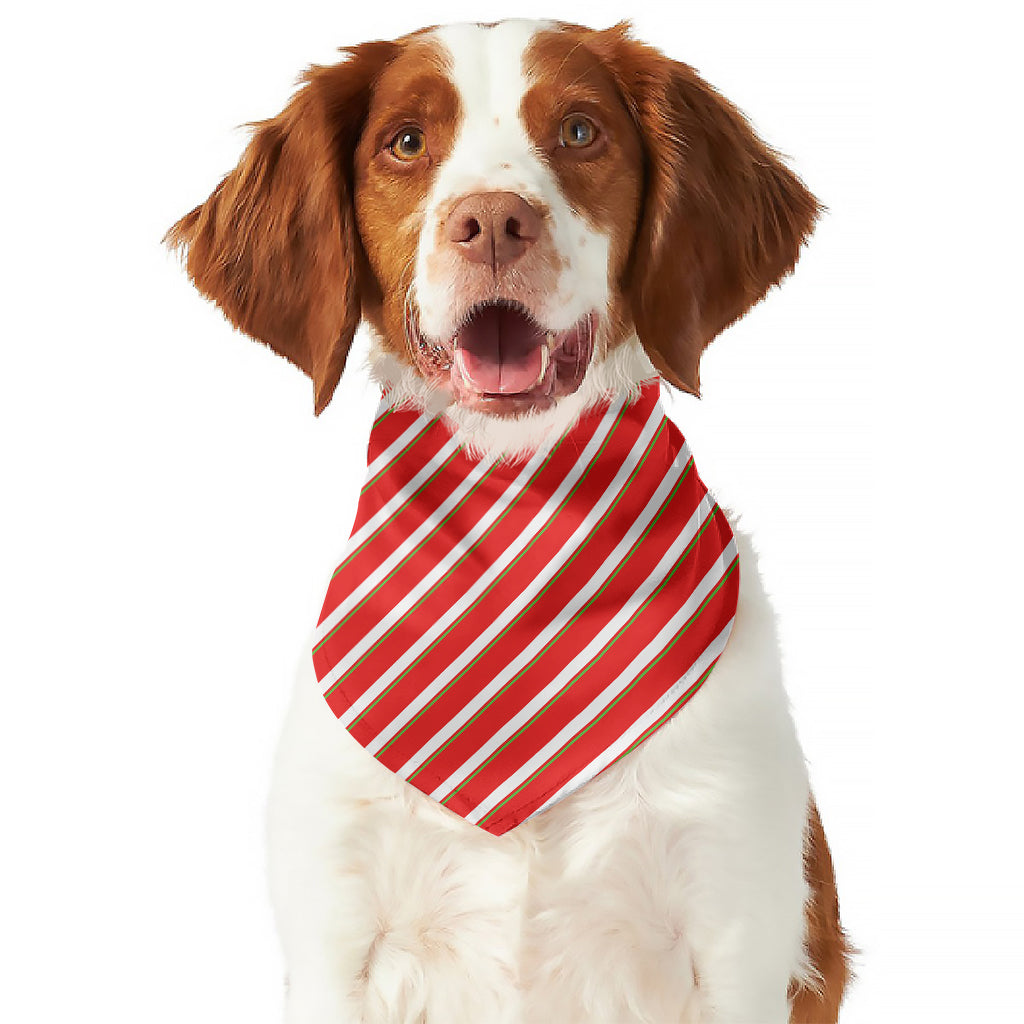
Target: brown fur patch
603,182
390,196
318,225
275,245
723,219
828,947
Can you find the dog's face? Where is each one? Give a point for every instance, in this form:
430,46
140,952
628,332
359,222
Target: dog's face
506,205
497,188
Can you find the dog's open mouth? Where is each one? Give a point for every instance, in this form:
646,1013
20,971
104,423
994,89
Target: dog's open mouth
500,359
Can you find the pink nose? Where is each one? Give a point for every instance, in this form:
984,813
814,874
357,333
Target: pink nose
492,227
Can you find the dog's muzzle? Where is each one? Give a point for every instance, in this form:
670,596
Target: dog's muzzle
501,360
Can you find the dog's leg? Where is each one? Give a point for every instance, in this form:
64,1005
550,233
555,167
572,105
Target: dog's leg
671,887
733,775
664,909
742,901
390,908
816,998
730,772
324,929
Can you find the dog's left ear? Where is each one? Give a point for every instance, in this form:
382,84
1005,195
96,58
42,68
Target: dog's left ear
275,245
723,218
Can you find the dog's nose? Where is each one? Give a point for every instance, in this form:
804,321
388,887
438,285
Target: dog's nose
493,227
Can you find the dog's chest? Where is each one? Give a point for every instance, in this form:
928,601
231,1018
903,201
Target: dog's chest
500,633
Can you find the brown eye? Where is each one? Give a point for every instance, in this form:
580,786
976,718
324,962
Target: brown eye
577,132
409,144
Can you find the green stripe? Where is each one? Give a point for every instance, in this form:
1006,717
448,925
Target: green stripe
512,504
596,658
352,554
419,547
558,636
348,558
498,580
554,757
670,712
398,458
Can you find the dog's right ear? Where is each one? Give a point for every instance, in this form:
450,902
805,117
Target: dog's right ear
275,245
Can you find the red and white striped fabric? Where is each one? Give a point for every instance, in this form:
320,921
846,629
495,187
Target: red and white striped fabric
499,633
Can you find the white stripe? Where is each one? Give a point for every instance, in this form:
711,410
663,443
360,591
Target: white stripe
565,616
397,446
391,507
605,697
530,530
635,731
591,651
356,596
554,564
442,567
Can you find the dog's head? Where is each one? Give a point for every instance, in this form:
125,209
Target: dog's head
508,206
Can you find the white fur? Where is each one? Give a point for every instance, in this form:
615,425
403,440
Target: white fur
620,372
493,151
669,888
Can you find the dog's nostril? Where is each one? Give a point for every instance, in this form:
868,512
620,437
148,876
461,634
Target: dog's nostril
492,227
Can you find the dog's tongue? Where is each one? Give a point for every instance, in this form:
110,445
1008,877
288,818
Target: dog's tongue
501,351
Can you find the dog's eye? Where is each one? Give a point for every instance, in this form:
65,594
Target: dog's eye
577,132
409,144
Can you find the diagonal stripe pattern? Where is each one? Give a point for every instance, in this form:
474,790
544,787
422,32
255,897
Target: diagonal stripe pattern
499,633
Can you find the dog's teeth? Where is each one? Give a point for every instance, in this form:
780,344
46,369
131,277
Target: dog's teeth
545,359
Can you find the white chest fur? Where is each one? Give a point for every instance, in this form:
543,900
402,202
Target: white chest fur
635,899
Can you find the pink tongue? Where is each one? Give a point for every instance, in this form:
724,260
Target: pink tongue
500,351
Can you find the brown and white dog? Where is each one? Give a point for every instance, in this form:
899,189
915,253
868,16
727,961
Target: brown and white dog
610,213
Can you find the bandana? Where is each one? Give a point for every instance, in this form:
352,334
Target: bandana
501,632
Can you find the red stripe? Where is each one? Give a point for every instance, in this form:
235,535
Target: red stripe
611,727
387,430
581,630
567,767
405,465
576,696
460,578
493,602
383,543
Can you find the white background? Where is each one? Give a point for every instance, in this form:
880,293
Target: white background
171,508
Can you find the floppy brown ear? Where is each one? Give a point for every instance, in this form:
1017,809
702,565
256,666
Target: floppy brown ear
275,245
723,218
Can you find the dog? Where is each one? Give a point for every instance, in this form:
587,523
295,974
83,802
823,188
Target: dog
538,222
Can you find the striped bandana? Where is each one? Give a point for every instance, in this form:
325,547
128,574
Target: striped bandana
499,633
